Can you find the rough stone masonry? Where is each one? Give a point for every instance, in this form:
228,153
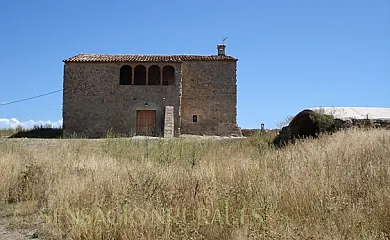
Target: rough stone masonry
129,95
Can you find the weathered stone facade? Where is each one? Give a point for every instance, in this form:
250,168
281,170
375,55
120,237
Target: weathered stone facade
209,91
204,89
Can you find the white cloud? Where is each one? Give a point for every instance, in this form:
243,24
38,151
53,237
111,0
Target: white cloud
13,123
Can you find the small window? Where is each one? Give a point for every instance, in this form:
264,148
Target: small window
195,118
125,75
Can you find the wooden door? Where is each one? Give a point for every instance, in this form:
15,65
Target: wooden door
146,122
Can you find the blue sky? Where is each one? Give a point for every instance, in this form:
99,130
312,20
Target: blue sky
293,54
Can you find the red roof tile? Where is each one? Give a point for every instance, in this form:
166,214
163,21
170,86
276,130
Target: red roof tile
86,57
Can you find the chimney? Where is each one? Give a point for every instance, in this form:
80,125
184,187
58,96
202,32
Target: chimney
221,49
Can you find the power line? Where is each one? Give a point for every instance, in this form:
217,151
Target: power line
26,99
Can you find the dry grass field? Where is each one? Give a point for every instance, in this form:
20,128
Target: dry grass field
335,187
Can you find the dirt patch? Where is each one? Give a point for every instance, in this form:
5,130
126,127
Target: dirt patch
7,231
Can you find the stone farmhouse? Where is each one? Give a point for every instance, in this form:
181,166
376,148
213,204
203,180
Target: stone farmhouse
154,95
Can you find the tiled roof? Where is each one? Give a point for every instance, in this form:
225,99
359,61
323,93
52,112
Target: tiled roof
86,57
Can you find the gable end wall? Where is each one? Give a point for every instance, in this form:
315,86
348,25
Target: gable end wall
209,90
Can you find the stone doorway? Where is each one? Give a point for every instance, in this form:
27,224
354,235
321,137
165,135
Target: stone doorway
146,122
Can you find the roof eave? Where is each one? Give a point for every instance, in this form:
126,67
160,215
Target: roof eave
110,58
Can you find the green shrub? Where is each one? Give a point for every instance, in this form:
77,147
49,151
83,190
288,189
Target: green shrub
325,122
263,140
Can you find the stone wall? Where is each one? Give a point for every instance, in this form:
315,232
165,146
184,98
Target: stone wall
94,102
209,91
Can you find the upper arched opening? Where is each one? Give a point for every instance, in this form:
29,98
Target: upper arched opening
140,75
154,75
168,75
125,75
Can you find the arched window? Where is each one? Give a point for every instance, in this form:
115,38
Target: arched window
125,75
154,75
168,75
140,75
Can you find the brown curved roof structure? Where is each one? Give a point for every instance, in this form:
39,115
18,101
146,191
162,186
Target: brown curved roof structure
302,125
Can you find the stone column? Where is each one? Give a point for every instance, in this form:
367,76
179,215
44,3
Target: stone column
132,76
147,75
169,121
161,76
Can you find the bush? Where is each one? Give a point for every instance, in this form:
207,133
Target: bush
38,132
325,122
285,122
263,140
29,185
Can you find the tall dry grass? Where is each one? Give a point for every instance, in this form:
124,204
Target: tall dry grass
336,187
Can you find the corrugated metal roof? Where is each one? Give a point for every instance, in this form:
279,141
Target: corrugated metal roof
356,112
86,57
